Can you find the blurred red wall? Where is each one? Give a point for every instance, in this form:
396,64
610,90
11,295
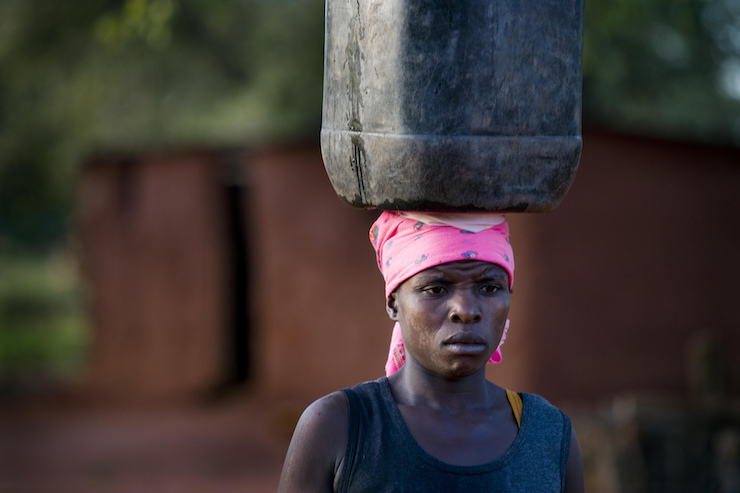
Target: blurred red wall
152,234
641,257
610,288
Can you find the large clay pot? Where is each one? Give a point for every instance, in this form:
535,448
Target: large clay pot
452,104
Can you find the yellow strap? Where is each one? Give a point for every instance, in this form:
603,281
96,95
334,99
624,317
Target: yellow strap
516,406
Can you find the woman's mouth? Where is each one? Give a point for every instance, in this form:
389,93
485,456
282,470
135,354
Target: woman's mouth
465,343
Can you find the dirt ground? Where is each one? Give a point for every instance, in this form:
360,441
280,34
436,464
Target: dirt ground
63,445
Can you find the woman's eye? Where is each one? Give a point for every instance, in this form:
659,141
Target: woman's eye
434,290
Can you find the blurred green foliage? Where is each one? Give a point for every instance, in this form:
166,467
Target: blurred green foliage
664,67
43,332
83,75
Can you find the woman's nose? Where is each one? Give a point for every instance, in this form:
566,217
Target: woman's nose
464,308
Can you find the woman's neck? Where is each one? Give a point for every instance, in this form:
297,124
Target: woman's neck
414,385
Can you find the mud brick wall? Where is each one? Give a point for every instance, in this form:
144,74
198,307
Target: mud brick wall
611,289
151,228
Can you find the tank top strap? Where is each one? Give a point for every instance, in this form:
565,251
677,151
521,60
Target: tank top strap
515,401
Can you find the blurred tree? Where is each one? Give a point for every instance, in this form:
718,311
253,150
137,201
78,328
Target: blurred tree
664,67
124,74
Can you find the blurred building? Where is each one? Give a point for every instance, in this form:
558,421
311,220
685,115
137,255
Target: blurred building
213,267
209,269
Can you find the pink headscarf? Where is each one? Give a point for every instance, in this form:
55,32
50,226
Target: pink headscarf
405,246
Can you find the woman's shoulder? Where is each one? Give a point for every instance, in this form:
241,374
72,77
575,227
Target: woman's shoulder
332,411
537,401
324,412
317,447
536,407
535,398
369,387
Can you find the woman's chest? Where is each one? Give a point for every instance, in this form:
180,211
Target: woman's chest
465,440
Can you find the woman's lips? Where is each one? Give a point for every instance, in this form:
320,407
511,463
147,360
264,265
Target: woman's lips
465,343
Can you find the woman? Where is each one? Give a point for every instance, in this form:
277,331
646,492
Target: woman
434,423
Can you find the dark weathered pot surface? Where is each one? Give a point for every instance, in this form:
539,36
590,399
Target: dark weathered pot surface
452,105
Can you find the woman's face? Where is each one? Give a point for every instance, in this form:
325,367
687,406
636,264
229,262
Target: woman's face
452,316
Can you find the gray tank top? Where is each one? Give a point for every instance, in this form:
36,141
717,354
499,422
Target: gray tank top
382,456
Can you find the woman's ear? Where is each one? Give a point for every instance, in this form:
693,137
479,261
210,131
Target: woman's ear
390,306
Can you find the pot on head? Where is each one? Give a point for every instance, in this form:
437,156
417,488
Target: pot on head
444,105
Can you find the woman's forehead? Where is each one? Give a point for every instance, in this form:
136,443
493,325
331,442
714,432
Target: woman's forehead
466,268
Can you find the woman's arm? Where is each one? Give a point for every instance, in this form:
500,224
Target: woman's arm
574,468
317,447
